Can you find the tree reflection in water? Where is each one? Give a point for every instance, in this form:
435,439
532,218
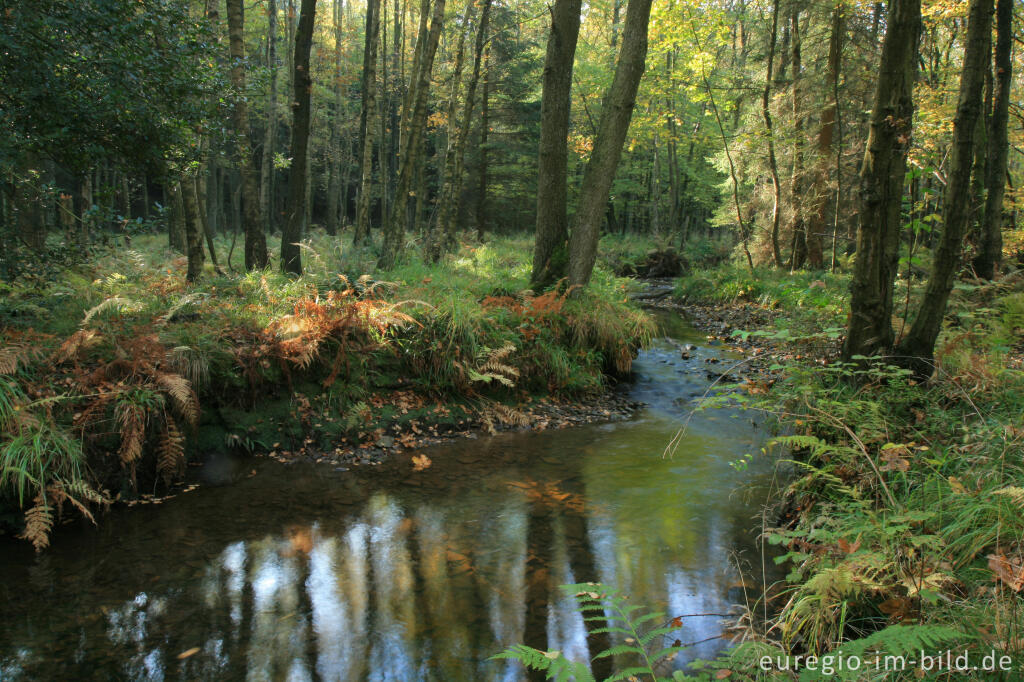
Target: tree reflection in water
297,573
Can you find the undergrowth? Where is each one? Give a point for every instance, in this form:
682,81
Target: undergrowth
905,505
110,374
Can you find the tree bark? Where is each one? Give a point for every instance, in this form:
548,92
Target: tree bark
270,136
550,253
451,193
991,246
334,184
193,227
826,133
434,233
394,231
611,134
798,227
766,114
481,200
362,231
881,185
291,257
918,346
255,240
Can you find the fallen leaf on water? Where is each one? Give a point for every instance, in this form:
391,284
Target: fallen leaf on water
188,652
420,462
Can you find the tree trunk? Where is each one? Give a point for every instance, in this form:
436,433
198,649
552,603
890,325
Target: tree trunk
362,231
255,240
798,227
481,200
394,232
176,236
550,254
193,227
334,184
766,114
991,246
291,257
611,134
270,136
826,132
881,185
451,193
919,344
433,241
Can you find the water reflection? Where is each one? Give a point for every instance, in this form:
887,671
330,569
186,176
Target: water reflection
305,573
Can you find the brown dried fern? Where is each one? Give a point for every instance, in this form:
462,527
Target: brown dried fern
131,420
170,452
182,396
68,350
38,523
16,355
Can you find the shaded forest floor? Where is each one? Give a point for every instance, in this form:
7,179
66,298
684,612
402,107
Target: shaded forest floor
904,508
117,375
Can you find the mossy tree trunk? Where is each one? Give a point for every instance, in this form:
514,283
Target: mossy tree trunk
550,251
917,348
869,328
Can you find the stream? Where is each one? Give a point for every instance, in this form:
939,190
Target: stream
305,571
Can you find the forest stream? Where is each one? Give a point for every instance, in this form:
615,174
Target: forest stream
305,571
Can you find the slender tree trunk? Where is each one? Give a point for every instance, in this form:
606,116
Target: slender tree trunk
766,114
550,254
176,227
394,233
270,136
334,184
826,132
798,227
481,201
451,193
919,344
291,257
193,227
362,231
255,240
611,134
991,246
881,185
433,242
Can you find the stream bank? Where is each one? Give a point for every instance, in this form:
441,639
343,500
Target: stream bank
421,567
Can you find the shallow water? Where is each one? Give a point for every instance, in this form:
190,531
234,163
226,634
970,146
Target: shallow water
308,572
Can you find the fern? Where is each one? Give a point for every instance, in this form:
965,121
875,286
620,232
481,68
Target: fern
639,641
182,396
16,355
557,666
118,303
179,305
68,350
895,640
171,451
38,523
131,420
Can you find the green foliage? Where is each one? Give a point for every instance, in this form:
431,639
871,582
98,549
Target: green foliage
641,633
